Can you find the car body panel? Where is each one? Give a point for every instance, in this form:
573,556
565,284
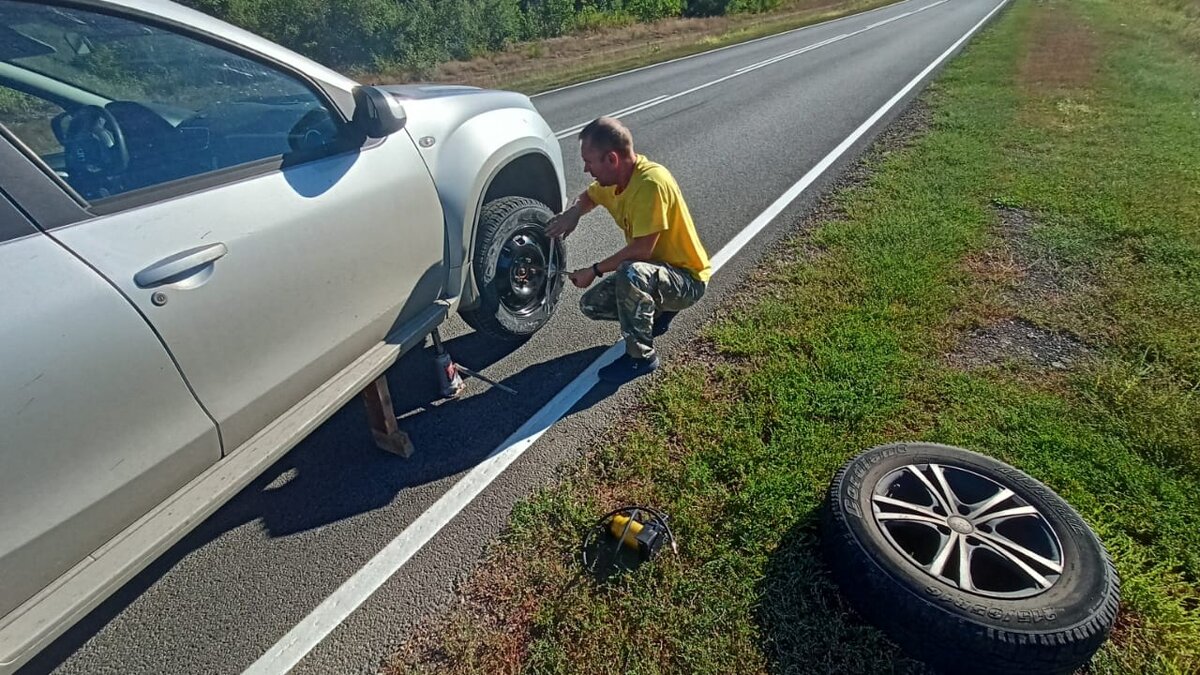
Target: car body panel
468,136
90,438
324,259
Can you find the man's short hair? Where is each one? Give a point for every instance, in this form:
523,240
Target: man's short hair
605,134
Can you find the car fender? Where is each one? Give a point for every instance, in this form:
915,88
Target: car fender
467,137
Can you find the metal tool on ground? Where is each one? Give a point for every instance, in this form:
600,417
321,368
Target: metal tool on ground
625,539
450,382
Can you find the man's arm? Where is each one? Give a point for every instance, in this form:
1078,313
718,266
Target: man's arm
638,250
565,223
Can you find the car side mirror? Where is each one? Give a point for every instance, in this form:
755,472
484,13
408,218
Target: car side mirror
376,112
80,44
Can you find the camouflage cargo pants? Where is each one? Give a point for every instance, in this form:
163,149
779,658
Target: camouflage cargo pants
634,293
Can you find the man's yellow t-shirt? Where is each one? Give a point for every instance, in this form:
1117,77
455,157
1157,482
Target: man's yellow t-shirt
650,203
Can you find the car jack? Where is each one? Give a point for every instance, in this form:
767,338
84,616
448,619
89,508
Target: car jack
381,416
449,373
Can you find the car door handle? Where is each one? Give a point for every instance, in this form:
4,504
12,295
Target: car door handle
174,267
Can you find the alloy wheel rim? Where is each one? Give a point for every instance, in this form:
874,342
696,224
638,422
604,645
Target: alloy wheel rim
968,531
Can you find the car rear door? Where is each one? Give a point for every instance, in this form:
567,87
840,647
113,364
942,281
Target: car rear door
97,425
266,245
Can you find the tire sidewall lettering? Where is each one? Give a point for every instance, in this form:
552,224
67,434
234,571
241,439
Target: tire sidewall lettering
1006,615
854,480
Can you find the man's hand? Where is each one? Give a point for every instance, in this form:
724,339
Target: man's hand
563,224
582,278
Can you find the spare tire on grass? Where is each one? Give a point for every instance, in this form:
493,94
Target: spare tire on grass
967,563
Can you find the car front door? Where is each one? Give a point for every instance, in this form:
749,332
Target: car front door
234,207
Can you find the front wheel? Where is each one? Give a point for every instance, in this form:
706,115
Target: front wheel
515,267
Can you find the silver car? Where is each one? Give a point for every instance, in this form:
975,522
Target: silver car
208,244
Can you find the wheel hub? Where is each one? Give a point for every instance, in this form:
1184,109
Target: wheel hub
960,525
523,270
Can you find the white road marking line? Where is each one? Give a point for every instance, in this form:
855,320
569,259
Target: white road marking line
327,616
616,113
795,52
645,105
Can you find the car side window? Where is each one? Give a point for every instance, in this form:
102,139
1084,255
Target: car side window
28,117
114,105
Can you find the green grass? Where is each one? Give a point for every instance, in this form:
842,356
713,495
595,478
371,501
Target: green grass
839,344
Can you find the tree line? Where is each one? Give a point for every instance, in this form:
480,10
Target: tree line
417,34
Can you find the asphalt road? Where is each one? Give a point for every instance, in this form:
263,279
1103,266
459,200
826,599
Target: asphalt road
737,133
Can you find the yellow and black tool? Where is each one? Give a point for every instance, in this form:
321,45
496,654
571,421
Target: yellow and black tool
625,539
645,538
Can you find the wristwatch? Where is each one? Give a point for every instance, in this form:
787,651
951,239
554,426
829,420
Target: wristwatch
596,270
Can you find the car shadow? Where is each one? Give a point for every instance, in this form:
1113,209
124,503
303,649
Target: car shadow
337,473
308,488
805,625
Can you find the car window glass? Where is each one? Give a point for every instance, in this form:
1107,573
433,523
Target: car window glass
29,118
115,105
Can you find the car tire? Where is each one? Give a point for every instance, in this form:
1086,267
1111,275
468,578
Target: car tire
888,527
518,290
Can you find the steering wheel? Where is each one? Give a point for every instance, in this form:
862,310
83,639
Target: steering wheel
94,146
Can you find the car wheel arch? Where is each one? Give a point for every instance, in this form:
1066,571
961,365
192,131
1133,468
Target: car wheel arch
524,172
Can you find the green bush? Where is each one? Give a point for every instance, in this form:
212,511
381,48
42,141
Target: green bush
652,10
750,6
705,7
590,19
418,34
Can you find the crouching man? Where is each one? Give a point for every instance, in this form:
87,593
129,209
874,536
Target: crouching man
663,267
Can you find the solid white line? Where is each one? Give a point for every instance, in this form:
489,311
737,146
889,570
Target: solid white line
615,114
718,49
306,635
645,105
794,52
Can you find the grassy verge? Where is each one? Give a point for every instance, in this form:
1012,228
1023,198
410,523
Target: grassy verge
1017,271
606,49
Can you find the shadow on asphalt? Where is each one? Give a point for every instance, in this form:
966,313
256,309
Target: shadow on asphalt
337,473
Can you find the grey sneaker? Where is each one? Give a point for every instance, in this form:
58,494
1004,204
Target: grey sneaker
628,368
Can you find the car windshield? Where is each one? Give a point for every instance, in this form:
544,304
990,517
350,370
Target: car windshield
121,60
